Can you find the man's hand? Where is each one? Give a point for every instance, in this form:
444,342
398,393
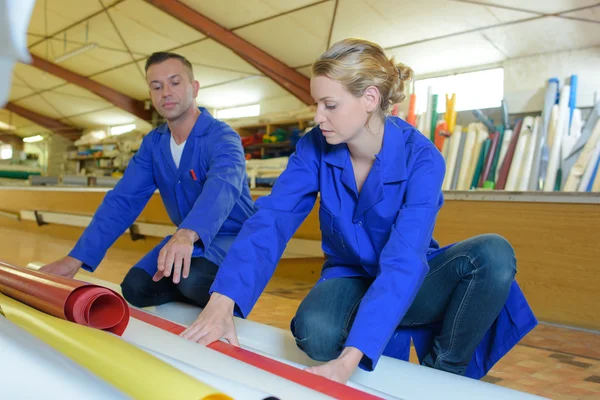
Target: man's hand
340,369
66,266
174,255
214,322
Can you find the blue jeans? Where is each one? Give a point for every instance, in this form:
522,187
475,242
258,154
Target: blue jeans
465,290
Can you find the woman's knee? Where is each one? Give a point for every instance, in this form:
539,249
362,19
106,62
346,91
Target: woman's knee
496,253
317,336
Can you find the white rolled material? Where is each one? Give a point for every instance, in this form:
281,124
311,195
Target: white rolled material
454,147
391,379
155,339
528,157
590,169
561,129
464,180
516,171
228,386
583,163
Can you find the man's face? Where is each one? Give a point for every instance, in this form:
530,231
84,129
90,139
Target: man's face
172,90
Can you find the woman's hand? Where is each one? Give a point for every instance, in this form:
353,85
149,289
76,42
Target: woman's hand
341,369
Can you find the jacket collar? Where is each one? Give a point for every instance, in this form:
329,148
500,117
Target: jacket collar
391,158
201,127
203,122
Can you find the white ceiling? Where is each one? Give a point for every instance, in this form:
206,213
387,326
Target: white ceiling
431,36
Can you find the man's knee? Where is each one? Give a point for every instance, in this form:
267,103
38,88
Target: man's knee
135,287
201,277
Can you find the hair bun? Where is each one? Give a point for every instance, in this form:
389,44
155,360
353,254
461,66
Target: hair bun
405,73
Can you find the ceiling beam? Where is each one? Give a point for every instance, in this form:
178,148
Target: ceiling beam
287,77
12,139
68,131
120,100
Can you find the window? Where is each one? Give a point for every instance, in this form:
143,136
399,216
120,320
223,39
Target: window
6,151
239,112
121,129
474,90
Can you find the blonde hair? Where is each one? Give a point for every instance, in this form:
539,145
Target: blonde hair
358,64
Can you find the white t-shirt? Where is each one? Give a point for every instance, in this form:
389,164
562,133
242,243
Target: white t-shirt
176,151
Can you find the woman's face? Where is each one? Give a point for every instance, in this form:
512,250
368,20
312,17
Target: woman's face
340,115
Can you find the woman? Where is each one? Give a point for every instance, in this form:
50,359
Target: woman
380,182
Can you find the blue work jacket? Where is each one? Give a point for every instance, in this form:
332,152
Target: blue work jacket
208,193
383,233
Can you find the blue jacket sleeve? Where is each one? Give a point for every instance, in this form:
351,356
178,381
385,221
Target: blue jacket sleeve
403,261
224,182
119,209
252,258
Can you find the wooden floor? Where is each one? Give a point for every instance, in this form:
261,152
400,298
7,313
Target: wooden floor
553,362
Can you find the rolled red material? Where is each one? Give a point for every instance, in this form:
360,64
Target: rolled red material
412,116
83,303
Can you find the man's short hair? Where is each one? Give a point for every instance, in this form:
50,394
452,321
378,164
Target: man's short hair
161,56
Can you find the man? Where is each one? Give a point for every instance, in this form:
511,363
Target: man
198,165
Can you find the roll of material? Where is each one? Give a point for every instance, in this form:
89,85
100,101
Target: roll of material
465,164
150,337
30,369
412,117
225,385
394,378
426,119
590,176
594,185
528,157
68,299
484,120
586,133
485,148
554,160
295,375
131,370
458,161
516,171
482,137
583,162
452,156
38,180
505,143
75,180
106,181
434,117
541,140
489,161
508,158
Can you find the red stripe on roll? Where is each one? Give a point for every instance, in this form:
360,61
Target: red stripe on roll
293,374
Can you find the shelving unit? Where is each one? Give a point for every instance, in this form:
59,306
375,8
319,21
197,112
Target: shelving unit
108,157
253,137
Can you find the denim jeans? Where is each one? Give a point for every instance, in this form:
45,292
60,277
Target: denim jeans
464,290
140,290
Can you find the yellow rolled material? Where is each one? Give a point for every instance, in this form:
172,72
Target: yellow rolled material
131,370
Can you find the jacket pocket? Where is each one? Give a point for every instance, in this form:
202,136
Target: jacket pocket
333,241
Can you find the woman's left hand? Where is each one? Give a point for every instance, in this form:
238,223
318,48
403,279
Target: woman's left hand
341,369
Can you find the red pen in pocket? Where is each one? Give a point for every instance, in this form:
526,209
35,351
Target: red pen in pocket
193,174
